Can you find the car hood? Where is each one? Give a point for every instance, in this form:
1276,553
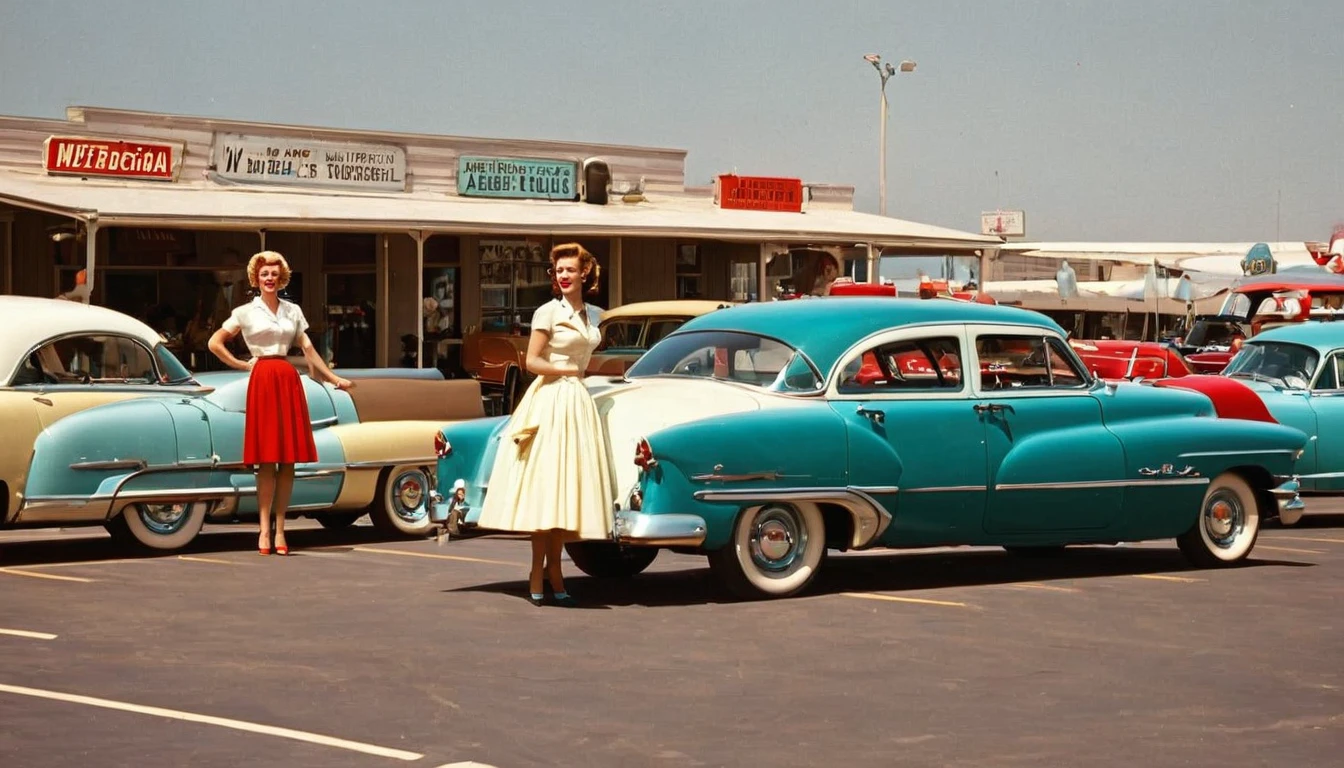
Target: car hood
634,409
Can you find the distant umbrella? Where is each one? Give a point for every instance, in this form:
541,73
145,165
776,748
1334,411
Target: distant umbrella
1067,280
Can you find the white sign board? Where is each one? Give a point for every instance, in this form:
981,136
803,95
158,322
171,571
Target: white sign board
309,163
1003,223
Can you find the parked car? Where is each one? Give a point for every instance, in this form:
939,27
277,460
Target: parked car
1291,375
1123,359
105,427
630,329
748,435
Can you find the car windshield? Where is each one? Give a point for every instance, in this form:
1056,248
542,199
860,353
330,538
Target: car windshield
745,358
1286,365
170,368
1213,333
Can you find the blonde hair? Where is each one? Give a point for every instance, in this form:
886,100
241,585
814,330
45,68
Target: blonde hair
587,265
266,259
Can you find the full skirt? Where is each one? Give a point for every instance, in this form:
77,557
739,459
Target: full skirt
278,429
552,469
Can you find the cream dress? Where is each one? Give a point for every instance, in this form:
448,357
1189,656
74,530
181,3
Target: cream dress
552,468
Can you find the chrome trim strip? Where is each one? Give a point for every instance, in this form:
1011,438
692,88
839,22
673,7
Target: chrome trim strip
193,494
740,478
319,423
948,489
636,528
1084,484
112,464
871,519
390,462
1288,451
1321,476
875,488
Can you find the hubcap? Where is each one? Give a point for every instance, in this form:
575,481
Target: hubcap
162,519
777,538
408,494
1224,518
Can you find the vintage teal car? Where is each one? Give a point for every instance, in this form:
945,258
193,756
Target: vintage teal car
762,437
103,426
1292,375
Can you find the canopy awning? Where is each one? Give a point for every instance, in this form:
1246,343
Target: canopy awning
1209,258
114,203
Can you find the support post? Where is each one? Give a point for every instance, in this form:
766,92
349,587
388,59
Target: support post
420,238
614,297
261,234
874,262
90,253
762,269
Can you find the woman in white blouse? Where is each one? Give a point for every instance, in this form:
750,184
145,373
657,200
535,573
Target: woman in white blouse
278,432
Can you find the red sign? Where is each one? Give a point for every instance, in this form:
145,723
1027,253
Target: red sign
760,193
104,157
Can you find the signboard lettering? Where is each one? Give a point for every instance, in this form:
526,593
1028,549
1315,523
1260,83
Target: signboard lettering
760,193
505,177
1003,223
309,163
77,156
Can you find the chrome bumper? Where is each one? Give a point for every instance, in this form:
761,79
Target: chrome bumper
637,528
1289,502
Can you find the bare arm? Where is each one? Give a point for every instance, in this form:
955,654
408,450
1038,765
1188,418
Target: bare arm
217,342
540,366
315,362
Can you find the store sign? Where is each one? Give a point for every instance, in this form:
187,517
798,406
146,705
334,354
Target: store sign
505,177
760,193
78,156
1003,223
309,163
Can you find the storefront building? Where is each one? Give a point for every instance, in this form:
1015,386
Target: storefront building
400,244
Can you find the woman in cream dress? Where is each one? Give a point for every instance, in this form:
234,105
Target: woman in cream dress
552,476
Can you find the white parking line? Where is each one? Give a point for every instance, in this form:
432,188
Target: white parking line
52,576
223,722
26,633
460,558
214,560
895,599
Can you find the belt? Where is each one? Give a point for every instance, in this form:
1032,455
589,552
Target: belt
272,357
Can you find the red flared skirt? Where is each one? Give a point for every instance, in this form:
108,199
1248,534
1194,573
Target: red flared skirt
278,428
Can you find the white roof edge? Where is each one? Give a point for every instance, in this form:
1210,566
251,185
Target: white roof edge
148,204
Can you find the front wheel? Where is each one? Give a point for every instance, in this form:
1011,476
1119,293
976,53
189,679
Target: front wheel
775,551
402,504
607,560
1228,523
159,526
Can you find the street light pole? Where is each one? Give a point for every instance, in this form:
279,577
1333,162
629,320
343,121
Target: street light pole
884,72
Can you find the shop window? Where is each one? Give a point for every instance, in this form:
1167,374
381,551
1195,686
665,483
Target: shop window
742,281
688,272
349,249
349,337
515,279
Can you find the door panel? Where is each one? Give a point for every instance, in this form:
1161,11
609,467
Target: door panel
1037,446
1328,447
18,414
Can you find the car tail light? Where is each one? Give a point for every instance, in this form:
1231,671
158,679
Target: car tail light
441,446
644,455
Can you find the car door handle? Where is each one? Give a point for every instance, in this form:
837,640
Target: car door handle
875,416
42,400
992,408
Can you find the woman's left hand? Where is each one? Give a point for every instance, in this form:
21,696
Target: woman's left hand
343,384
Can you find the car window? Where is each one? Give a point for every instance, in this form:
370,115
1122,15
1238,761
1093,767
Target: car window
661,328
1330,373
620,334
92,359
730,356
1027,362
904,366
1277,363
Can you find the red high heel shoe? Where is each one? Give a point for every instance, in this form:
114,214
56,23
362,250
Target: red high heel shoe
263,550
282,550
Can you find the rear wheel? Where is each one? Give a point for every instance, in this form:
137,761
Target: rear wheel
159,526
402,504
775,551
1228,524
607,560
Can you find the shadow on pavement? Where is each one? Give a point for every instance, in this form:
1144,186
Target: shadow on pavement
900,571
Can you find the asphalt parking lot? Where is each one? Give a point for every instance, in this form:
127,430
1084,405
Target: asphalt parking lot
360,651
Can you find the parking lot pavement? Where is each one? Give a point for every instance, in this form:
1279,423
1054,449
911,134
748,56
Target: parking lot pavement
364,651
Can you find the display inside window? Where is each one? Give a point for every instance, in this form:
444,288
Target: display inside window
515,280
688,272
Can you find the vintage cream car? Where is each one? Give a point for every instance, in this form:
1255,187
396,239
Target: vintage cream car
104,426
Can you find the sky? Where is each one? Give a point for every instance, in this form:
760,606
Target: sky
1155,120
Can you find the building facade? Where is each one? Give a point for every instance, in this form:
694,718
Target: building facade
400,244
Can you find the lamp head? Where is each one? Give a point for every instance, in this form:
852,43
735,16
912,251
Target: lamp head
907,66
872,58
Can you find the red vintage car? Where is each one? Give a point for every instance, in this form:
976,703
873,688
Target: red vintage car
1118,359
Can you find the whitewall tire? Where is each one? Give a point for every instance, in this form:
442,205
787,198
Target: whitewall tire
1227,526
775,551
159,526
402,505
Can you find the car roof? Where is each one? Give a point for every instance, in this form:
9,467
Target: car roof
1286,281
823,328
1322,336
29,320
676,307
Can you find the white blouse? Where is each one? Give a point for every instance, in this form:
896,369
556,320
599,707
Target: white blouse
267,333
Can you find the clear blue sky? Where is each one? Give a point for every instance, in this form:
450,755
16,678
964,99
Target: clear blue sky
1131,120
